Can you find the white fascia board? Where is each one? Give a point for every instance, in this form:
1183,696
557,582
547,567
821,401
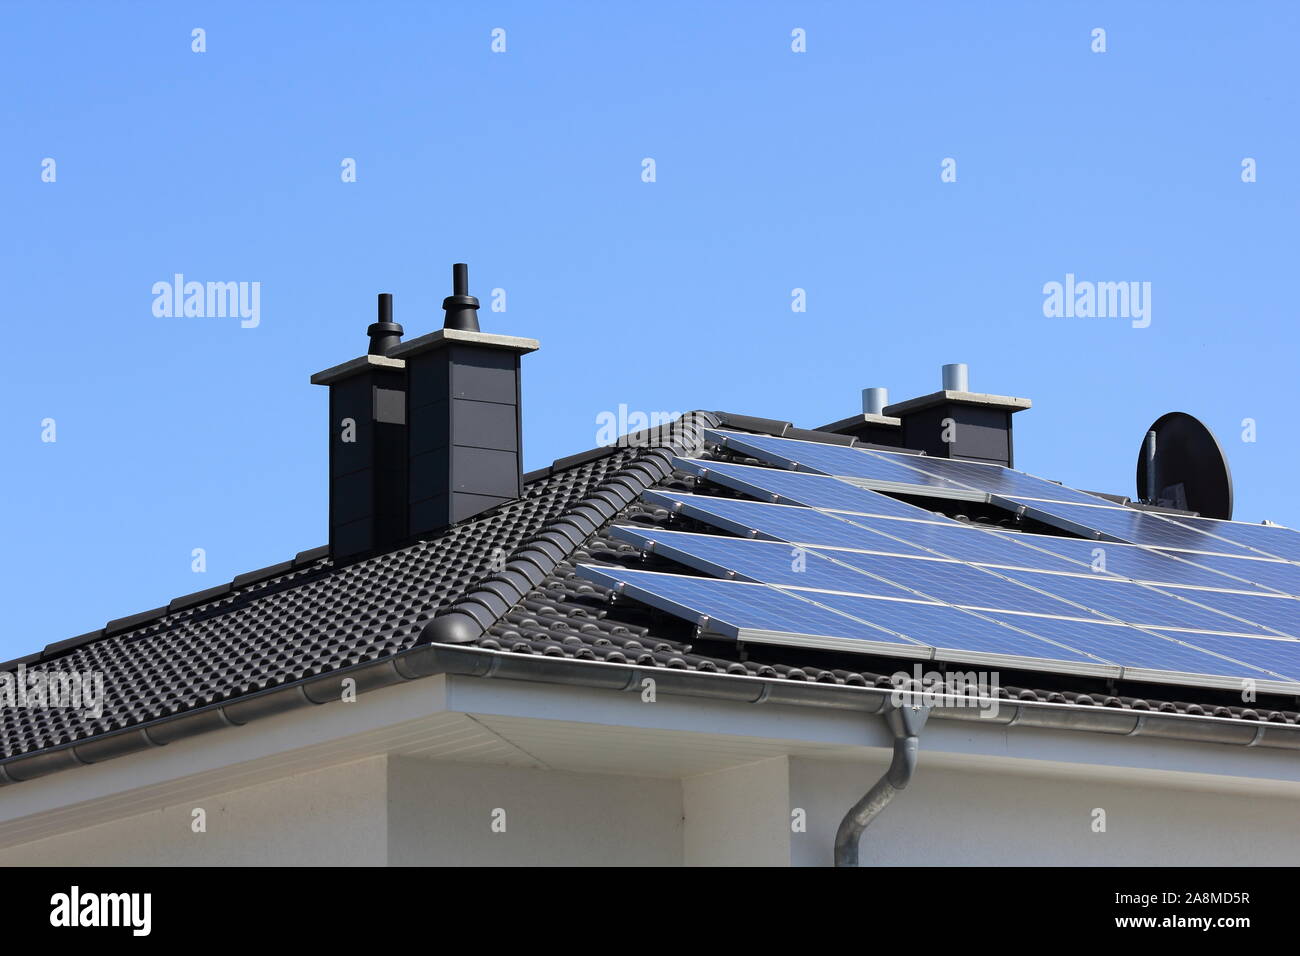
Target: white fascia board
991,741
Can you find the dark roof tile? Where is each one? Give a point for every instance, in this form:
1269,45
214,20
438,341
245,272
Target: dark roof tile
748,423
132,621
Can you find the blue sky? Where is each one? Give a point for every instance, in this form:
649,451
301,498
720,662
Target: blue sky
775,170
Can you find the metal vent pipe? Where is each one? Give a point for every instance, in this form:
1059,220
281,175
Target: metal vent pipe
956,378
874,401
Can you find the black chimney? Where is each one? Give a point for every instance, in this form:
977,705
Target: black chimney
367,443
424,433
959,423
464,443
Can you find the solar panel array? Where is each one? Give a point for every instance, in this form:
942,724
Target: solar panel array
817,555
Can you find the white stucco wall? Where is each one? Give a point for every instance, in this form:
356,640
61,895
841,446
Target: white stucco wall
954,817
738,817
442,813
410,811
395,810
335,817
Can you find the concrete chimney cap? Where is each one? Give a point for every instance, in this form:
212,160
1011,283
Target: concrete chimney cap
443,338
1007,403
861,419
363,364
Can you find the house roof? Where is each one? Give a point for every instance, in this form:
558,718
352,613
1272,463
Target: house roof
289,634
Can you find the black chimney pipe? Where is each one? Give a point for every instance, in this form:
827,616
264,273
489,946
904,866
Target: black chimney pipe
461,307
385,334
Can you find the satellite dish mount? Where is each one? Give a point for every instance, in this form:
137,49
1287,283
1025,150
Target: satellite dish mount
1181,465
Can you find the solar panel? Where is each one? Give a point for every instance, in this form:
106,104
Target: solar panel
1273,540
1125,524
1102,558
1280,657
956,635
918,474
827,562
767,562
1171,656
1152,654
864,533
918,630
956,583
833,460
1071,510
990,478
1128,561
781,522
1137,604
788,487
979,546
731,608
853,572
1282,614
961,541
1279,575
968,586
838,621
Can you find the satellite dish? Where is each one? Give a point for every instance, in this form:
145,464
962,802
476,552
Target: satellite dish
1181,465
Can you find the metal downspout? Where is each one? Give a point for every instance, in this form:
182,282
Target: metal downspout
905,721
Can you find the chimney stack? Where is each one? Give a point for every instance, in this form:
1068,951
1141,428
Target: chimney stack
464,432
367,443
423,433
959,423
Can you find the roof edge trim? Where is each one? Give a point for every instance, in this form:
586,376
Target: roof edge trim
427,660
